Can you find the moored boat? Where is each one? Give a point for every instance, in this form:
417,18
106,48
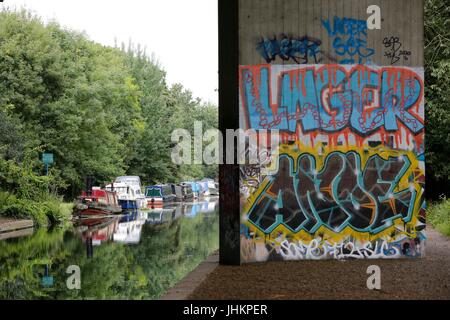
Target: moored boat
134,182
204,189
177,191
187,192
196,189
182,192
213,187
125,193
98,202
158,195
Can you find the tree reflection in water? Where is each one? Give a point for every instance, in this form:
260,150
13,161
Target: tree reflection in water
136,256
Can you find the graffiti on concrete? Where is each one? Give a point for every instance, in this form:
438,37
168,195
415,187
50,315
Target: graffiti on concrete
319,249
394,51
301,50
333,99
349,39
348,180
343,193
257,249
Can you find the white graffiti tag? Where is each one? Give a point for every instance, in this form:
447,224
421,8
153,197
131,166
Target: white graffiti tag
318,249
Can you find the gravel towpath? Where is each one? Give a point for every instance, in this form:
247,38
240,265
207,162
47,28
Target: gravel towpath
426,278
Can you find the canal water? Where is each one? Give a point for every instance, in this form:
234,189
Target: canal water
139,255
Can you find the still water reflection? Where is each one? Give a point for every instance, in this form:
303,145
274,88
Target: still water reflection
134,256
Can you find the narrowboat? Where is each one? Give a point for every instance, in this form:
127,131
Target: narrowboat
98,202
182,192
158,195
177,191
196,189
204,190
187,192
213,187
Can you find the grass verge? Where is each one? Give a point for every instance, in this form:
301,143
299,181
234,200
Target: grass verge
438,215
49,211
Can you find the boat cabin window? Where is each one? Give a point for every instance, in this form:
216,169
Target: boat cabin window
153,192
188,189
118,189
167,190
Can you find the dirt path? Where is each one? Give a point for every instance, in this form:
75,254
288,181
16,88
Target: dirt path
427,278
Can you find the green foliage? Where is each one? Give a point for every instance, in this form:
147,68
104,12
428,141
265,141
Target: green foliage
22,261
164,109
101,111
171,251
438,214
30,195
437,87
11,139
164,256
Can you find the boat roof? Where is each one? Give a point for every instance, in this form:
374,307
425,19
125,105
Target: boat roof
117,185
157,186
129,177
97,192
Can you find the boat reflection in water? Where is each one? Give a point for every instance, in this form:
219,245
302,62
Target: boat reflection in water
164,214
95,231
130,228
127,228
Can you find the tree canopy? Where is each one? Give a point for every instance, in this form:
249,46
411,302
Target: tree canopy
101,111
437,97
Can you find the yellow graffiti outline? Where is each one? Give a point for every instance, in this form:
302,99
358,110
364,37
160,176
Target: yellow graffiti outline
280,233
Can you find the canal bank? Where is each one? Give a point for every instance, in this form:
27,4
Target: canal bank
14,228
426,278
183,289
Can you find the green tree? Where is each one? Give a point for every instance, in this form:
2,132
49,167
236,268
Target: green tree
101,111
437,88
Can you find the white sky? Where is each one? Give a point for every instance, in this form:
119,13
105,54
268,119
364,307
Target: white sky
181,33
